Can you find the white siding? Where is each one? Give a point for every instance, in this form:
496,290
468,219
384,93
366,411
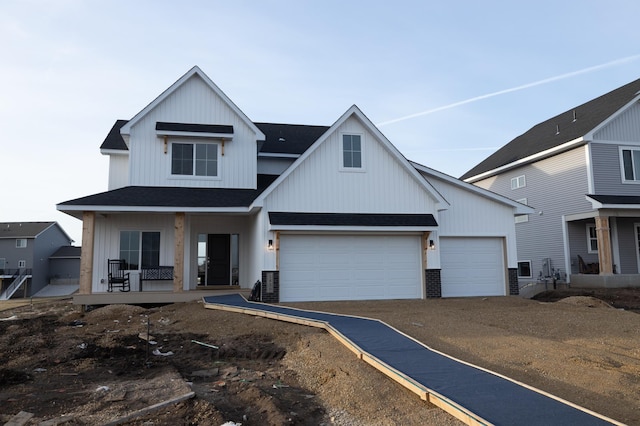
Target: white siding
471,214
107,242
273,166
318,184
118,171
193,102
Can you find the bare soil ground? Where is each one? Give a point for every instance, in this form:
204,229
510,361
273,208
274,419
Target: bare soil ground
68,367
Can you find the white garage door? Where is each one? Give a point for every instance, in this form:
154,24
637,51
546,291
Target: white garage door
349,267
472,267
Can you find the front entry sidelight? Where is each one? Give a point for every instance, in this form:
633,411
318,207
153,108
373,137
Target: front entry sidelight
217,259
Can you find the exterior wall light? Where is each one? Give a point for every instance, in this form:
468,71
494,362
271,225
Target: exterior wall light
270,245
432,245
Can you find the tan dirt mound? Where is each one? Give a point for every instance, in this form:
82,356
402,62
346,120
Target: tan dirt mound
586,301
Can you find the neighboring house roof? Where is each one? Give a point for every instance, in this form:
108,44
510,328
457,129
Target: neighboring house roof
289,138
23,229
570,126
154,198
351,219
126,129
67,252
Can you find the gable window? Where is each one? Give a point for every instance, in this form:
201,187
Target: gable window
524,269
518,182
592,239
630,158
194,159
140,249
21,243
351,151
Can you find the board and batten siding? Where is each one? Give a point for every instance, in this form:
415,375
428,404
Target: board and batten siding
607,170
318,184
193,102
107,242
473,215
555,186
627,241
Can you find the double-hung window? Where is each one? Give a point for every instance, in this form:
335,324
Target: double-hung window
21,243
351,152
592,239
140,249
630,158
194,159
518,182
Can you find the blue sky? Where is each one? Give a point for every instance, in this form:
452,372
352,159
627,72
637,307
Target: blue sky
485,71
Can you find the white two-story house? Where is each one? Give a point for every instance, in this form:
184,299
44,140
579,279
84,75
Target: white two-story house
580,170
313,212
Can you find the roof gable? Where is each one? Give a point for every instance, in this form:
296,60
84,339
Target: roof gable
25,229
355,112
195,71
574,125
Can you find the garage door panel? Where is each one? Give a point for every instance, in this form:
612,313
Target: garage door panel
349,267
472,267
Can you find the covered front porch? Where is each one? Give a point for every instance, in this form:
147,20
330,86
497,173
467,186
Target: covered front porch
604,245
155,297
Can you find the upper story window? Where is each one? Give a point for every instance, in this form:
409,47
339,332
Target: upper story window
352,151
630,158
518,182
21,243
592,239
194,159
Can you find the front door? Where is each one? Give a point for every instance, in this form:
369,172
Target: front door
219,259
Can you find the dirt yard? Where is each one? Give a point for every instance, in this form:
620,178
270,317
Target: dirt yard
101,367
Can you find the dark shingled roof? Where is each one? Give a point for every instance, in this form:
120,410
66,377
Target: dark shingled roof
279,138
114,138
66,252
23,229
351,219
194,128
560,129
289,138
616,199
157,196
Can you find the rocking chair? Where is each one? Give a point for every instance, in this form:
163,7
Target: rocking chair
118,278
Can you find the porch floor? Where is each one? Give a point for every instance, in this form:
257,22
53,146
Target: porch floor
140,297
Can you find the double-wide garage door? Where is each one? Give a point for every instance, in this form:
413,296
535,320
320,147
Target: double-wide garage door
472,267
349,267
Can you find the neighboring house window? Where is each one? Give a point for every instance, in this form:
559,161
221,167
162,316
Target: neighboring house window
194,159
21,243
22,263
524,269
630,164
520,218
518,182
351,151
3,263
140,249
592,239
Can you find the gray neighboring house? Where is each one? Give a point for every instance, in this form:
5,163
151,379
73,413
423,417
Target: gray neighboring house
25,256
580,170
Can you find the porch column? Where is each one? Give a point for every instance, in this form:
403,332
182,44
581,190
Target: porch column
178,261
86,255
604,245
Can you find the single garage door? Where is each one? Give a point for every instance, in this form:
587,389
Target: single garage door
472,267
349,267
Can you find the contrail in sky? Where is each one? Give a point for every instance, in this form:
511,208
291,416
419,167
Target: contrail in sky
513,89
